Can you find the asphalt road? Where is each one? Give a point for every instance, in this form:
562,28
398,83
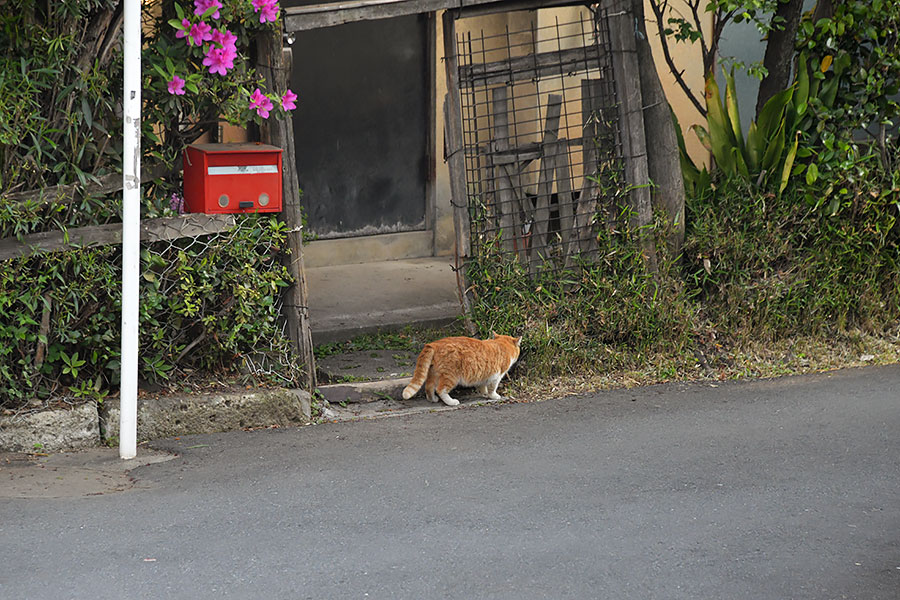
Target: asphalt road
755,490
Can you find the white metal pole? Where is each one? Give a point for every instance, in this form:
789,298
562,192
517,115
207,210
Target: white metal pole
131,230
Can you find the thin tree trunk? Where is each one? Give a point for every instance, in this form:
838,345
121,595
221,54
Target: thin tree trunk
779,56
663,162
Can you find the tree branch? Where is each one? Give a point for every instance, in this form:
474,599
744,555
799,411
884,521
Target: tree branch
659,12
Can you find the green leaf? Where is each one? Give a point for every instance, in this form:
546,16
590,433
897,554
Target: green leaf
176,23
179,11
789,163
772,158
770,117
801,97
734,115
740,163
161,72
721,138
812,173
86,112
702,135
755,148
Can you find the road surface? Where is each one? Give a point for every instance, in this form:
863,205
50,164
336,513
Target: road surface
776,489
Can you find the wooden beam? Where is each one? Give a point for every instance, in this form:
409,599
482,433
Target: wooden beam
456,159
507,205
152,230
63,194
591,93
533,66
539,240
317,16
480,8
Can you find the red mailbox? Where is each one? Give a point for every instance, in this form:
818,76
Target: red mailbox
232,178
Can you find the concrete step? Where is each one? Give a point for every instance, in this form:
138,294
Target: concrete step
377,399
349,300
365,365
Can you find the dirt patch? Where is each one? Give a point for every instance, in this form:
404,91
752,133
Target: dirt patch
93,472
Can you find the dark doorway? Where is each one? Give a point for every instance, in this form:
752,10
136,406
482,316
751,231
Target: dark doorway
361,125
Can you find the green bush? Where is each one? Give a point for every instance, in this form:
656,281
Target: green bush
768,268
597,314
219,294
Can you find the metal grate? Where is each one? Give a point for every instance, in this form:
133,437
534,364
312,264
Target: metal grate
541,138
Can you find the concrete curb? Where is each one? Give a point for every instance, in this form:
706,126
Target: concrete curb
52,430
167,416
379,399
89,425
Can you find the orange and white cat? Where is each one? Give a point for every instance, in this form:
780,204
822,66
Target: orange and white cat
446,363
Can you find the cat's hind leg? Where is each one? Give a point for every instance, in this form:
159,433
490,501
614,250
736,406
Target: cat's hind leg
443,389
430,384
429,393
491,388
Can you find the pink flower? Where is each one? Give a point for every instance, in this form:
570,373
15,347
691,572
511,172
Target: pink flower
267,9
176,86
219,60
200,32
261,103
224,39
288,100
201,6
183,32
176,203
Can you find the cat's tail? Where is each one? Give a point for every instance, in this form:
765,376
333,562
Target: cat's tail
422,365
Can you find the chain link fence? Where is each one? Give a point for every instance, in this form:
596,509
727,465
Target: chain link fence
211,313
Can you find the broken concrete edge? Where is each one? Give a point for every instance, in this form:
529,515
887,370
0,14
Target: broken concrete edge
364,391
379,410
91,424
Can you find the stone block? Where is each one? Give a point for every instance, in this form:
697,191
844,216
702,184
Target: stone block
183,414
51,430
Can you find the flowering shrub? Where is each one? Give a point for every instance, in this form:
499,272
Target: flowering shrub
198,72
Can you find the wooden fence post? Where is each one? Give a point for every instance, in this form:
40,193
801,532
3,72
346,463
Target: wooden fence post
275,65
631,123
453,144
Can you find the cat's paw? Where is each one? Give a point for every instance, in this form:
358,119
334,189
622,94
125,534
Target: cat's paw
450,401
495,396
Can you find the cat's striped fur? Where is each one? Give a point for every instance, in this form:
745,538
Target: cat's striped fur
446,363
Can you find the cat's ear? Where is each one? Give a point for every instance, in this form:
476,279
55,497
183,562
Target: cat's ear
519,342
493,335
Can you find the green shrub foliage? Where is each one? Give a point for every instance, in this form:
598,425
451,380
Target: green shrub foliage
209,305
767,268
206,304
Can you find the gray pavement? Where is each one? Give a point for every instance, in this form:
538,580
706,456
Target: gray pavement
755,490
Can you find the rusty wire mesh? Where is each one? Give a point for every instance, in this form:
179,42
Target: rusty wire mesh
541,137
226,289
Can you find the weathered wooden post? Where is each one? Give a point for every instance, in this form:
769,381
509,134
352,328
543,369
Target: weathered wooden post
456,158
275,66
631,121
